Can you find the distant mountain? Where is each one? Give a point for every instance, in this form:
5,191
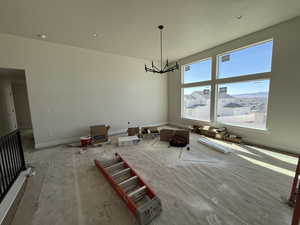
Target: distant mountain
233,105
225,95
253,95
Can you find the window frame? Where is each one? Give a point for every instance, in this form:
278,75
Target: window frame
196,84
236,125
182,103
215,81
194,62
241,48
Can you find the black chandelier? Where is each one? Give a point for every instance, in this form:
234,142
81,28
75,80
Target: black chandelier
162,69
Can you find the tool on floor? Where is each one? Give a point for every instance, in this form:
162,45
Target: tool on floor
294,200
294,191
138,196
215,145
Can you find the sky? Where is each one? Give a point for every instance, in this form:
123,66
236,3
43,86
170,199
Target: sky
255,59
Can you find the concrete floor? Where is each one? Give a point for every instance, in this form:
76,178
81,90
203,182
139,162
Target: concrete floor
200,186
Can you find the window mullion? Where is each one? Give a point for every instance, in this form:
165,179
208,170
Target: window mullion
259,76
213,89
196,84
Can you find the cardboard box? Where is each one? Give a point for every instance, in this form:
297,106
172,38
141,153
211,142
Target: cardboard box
166,134
99,133
133,131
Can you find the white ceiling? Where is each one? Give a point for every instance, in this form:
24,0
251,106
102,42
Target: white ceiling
128,27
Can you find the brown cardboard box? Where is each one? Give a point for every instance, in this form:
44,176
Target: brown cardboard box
133,131
166,134
99,133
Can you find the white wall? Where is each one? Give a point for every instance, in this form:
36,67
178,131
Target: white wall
284,109
8,121
72,88
21,105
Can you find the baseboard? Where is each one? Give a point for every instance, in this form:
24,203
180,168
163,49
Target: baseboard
246,142
8,206
270,148
76,139
55,142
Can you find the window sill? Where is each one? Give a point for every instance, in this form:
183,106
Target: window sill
196,120
251,129
219,124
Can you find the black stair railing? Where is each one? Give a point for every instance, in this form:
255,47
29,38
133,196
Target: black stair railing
12,161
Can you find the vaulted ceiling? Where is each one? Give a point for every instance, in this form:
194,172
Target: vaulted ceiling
129,27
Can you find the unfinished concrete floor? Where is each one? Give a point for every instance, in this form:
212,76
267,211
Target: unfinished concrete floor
200,186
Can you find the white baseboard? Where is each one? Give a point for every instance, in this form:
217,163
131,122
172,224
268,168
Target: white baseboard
74,139
55,142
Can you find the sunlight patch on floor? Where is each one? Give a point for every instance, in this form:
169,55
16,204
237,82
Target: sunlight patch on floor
241,149
285,158
269,166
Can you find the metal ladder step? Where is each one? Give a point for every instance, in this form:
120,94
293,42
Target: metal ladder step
110,162
138,194
121,173
115,167
122,178
130,184
139,198
128,181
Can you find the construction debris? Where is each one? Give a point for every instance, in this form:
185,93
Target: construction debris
133,131
128,140
217,133
150,132
214,145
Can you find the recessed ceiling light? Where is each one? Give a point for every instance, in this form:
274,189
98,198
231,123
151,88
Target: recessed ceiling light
239,17
95,35
42,36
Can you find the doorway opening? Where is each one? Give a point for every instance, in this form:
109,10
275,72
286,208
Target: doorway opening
15,108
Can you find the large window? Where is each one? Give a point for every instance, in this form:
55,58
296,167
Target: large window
243,103
250,60
197,72
235,93
197,103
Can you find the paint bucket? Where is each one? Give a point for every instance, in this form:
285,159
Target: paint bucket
85,141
